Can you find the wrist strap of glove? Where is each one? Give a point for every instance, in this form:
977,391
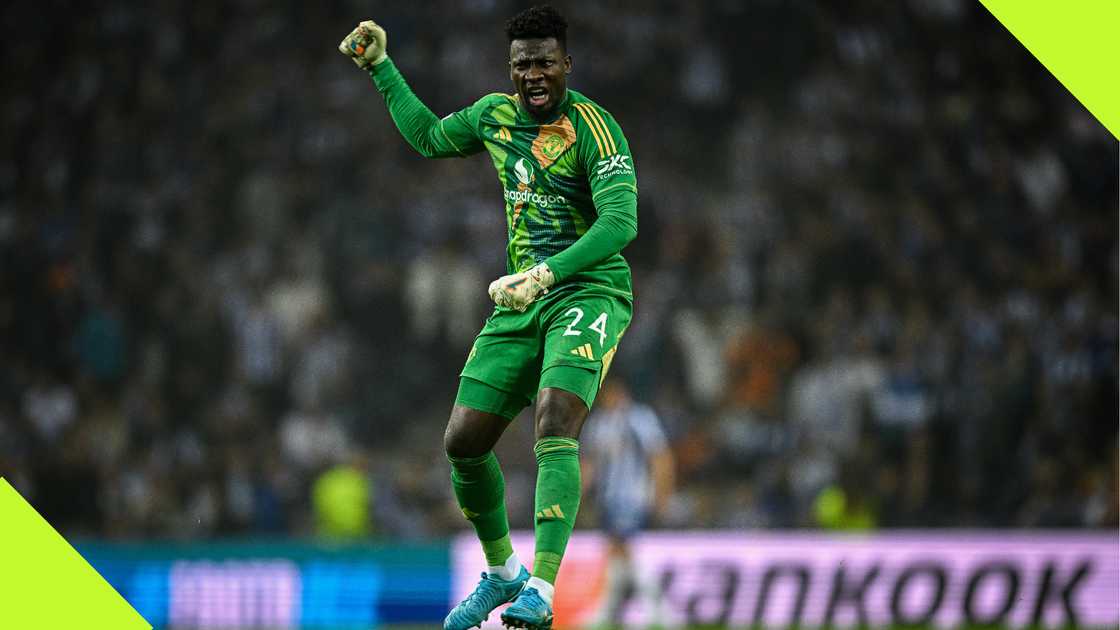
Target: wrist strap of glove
542,275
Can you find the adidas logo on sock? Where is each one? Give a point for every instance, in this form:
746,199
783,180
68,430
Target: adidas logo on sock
553,512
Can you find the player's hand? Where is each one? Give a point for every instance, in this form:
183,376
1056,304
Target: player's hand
518,291
365,45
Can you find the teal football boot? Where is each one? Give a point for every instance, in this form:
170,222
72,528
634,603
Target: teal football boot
528,611
490,593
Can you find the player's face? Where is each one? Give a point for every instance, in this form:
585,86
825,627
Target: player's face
539,69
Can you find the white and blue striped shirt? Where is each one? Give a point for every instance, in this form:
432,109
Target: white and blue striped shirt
622,443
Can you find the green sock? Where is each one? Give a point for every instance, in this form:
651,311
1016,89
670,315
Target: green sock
481,490
557,502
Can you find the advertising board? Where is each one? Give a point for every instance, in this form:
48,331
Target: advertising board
279,585
944,578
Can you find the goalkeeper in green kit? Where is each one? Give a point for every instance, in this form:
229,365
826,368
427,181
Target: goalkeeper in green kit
571,206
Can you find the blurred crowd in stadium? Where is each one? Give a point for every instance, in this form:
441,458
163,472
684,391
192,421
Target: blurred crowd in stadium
876,273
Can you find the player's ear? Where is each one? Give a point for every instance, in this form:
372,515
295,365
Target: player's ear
567,64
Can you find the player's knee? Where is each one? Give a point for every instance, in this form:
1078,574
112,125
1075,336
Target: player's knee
471,433
460,443
557,425
559,414
455,443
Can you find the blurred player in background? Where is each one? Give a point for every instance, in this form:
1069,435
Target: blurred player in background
571,206
632,474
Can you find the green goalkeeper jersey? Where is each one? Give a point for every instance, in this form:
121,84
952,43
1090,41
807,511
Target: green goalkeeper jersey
569,184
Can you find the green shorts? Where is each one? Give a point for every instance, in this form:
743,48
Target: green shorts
565,339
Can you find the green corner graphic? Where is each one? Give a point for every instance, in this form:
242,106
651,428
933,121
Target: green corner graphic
1077,42
45,584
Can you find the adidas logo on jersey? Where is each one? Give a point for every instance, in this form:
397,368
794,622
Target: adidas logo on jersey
584,351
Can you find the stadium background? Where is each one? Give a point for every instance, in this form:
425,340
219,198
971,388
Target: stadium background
877,261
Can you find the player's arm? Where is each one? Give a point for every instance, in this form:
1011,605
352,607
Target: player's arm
614,190
663,467
588,468
589,456
664,471
452,136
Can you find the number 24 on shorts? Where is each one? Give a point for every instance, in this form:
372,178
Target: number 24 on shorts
599,325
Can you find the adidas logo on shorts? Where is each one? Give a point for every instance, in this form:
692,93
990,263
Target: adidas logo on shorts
584,351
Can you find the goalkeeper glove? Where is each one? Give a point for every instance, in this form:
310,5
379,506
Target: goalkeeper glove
518,291
365,45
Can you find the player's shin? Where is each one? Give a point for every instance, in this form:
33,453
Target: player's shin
480,489
557,502
620,579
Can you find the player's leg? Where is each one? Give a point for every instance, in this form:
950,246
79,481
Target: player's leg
619,582
581,334
581,337
496,383
491,393
620,520
476,478
559,418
